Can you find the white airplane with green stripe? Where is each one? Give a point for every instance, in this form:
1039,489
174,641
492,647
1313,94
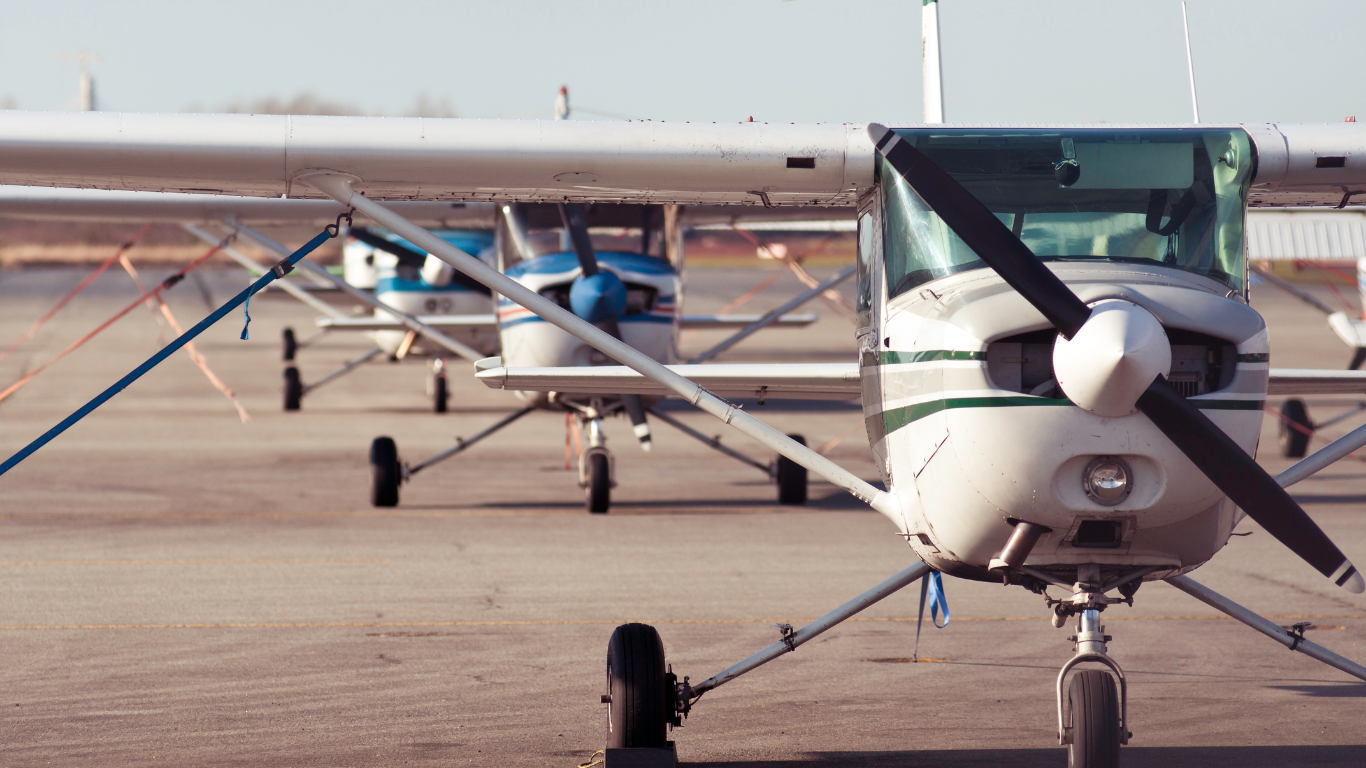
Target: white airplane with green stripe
1060,371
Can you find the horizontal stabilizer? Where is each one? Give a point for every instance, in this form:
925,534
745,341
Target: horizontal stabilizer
736,322
1294,381
387,324
811,381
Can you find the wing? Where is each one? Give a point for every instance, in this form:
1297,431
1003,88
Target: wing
492,160
1292,381
386,324
436,159
735,322
812,381
173,207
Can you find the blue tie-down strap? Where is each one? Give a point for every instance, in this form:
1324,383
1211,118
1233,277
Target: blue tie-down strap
931,586
934,584
280,270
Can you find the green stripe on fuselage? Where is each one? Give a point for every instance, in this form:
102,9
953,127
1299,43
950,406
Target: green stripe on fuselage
897,358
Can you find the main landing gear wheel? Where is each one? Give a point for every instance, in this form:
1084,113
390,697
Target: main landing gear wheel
1293,441
440,393
386,474
639,695
1094,706
294,389
791,478
598,494
288,346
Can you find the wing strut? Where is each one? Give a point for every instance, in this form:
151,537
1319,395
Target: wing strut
339,188
773,315
1290,638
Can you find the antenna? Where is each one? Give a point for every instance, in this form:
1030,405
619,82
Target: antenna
86,99
1190,66
562,103
931,66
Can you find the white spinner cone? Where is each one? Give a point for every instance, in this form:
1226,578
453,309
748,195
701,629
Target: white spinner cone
1109,363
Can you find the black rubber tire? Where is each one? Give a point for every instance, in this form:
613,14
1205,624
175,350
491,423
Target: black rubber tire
1094,704
638,706
440,394
288,346
294,389
1293,442
598,494
791,478
385,473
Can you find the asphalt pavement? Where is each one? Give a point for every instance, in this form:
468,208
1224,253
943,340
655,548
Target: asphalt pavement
182,588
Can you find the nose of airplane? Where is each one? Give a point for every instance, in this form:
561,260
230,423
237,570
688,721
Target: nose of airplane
1112,359
597,297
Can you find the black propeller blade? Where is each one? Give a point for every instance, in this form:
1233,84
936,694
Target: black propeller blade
575,220
1235,473
407,257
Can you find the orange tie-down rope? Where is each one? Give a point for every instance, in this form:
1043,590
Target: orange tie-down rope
189,345
40,322
167,283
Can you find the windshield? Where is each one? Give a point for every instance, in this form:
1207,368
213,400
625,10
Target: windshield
1167,197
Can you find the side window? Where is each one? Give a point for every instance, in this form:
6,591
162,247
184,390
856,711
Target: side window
866,264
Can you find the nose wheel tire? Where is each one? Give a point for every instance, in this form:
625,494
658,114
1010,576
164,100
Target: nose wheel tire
288,346
791,478
638,690
598,494
1294,441
294,389
385,473
1094,706
440,394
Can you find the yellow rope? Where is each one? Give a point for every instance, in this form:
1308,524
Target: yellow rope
591,762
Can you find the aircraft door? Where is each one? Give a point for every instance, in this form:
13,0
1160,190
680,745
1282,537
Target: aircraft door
867,305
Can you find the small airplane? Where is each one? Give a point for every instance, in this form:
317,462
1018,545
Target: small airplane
1061,376
635,293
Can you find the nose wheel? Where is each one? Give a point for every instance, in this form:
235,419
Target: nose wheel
1094,704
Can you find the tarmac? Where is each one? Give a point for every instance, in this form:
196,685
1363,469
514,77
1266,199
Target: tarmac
183,588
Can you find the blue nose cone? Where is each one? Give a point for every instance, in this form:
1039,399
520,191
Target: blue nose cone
597,297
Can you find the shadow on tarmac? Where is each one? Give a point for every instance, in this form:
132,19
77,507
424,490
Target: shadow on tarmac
1132,757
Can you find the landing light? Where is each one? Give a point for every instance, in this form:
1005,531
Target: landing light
1107,480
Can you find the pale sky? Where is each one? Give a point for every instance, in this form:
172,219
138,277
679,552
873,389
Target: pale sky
802,60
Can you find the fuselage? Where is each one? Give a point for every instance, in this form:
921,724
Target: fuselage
968,423
404,288
649,322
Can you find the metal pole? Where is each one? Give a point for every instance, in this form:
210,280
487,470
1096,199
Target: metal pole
339,189
461,443
412,323
710,442
258,269
345,369
1270,629
773,314
790,642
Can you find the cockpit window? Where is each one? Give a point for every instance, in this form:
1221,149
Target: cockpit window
1168,197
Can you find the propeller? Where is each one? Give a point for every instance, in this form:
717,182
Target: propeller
407,257
1222,460
600,297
